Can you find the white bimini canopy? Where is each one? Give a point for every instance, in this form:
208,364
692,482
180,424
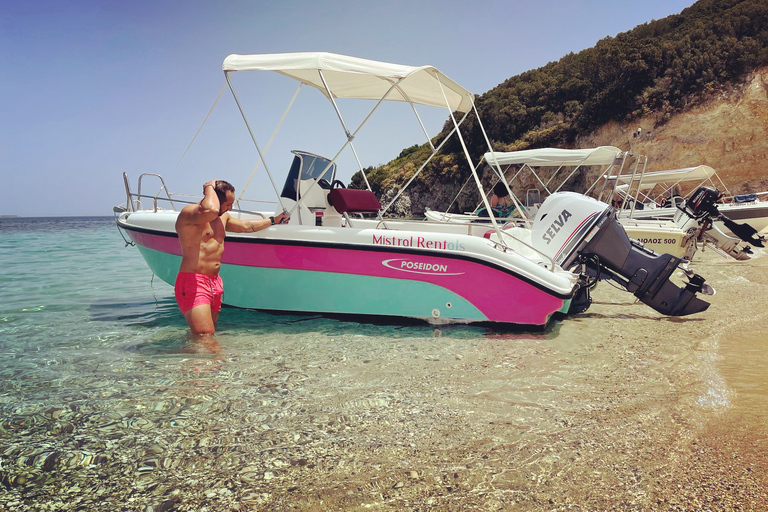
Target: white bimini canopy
650,179
555,157
351,77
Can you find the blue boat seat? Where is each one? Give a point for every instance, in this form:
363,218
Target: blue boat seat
745,198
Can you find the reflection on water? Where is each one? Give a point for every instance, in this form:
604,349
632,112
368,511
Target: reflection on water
320,412
107,403
150,313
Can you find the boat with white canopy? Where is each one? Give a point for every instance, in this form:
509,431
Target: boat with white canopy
661,194
571,160
561,165
340,255
553,169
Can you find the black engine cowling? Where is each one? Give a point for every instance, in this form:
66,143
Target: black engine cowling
575,230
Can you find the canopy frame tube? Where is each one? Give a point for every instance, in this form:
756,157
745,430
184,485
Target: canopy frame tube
253,138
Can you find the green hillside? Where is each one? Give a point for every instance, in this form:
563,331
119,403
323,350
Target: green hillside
661,67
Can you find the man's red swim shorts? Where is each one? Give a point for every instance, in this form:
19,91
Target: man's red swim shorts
194,289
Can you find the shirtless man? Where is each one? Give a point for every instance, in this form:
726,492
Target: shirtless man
201,228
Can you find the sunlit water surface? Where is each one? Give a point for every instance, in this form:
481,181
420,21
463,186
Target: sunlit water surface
105,401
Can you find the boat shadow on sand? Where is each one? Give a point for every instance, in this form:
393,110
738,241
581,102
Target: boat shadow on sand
592,315
157,327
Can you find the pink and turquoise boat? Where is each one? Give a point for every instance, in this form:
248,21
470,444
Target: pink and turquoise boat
340,254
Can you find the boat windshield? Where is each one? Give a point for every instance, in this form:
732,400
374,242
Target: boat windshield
307,166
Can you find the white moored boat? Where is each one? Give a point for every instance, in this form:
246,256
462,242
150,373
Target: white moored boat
658,192
343,263
553,168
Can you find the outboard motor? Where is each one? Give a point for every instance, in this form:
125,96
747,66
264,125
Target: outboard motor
576,230
695,218
702,206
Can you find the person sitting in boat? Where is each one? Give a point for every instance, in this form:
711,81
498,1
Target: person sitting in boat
674,198
201,228
501,204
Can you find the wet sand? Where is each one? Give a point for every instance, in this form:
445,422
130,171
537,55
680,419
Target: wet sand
726,465
615,409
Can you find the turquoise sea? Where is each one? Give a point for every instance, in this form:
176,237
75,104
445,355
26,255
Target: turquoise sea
107,404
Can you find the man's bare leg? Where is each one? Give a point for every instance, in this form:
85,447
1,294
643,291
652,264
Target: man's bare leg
202,324
200,320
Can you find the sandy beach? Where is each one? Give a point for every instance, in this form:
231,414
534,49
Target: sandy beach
726,467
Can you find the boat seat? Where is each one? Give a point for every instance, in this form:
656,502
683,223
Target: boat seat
745,198
348,200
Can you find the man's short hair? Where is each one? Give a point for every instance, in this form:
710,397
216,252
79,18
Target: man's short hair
221,188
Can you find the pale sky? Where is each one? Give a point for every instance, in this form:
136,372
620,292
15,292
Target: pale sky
92,89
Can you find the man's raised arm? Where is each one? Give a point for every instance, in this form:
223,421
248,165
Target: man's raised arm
204,211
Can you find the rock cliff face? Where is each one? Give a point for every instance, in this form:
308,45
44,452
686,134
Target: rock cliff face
728,132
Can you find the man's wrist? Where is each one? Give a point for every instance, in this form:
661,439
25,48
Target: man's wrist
272,220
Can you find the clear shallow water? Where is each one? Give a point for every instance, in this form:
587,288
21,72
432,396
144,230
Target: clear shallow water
106,403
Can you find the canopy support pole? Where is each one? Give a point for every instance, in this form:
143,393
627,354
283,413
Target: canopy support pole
418,118
469,160
429,159
255,142
351,136
271,139
502,176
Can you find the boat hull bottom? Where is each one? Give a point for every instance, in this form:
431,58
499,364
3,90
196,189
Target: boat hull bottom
384,320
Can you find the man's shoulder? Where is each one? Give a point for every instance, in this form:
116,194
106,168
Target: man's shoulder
186,212
187,216
190,209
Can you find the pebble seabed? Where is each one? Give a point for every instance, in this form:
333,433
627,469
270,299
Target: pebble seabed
605,411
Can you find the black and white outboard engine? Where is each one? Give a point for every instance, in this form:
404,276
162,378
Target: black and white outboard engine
575,230
698,215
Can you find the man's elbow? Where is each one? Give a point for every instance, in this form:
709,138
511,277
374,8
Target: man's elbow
208,214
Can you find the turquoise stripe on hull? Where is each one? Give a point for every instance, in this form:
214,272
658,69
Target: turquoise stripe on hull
164,265
325,292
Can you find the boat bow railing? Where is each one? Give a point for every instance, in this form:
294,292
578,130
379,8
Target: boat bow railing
133,201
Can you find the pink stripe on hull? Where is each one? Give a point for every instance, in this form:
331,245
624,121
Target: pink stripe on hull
166,244
501,296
